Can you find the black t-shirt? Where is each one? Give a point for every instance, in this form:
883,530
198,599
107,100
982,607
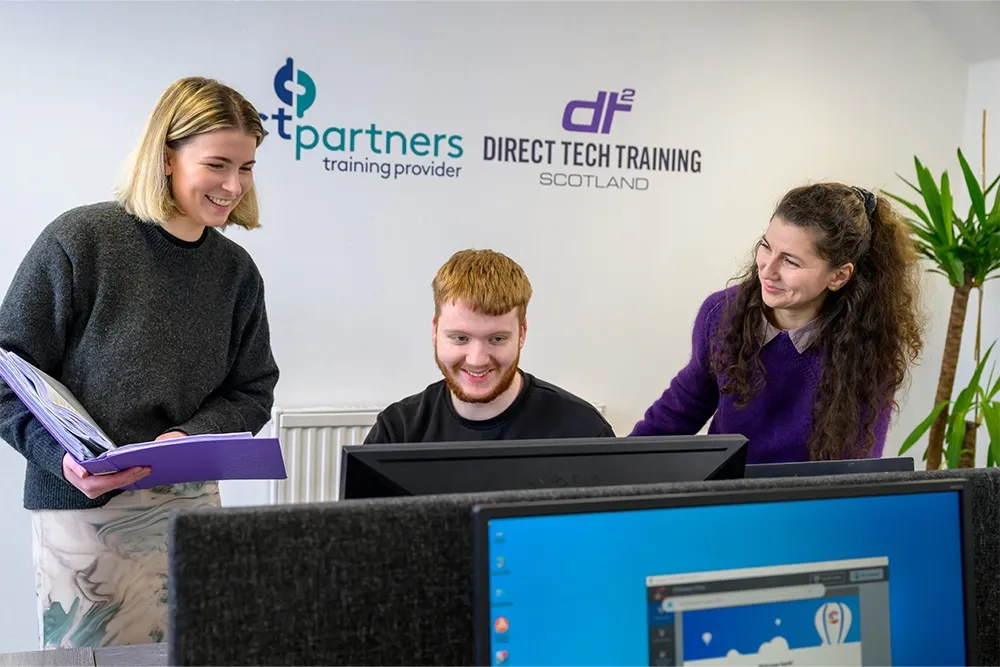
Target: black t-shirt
541,410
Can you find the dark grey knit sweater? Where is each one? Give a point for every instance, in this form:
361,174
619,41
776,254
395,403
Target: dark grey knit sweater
150,333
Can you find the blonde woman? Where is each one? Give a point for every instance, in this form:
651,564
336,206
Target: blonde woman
156,321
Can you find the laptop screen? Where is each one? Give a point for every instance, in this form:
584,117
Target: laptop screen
725,578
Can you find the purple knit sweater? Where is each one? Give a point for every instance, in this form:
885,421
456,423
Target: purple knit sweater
777,421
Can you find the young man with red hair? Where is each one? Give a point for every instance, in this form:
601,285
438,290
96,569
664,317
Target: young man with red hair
479,326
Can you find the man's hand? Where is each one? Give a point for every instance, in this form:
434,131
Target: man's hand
93,486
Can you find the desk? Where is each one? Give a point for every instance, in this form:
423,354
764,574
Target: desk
137,655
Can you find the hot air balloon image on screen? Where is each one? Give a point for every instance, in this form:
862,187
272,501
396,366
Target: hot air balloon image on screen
833,620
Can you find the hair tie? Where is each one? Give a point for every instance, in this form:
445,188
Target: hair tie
868,199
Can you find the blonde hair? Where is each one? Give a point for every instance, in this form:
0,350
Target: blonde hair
189,107
487,281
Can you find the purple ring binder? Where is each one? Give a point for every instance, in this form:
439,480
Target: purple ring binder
196,458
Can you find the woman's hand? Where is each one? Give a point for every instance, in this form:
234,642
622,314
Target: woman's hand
93,486
170,435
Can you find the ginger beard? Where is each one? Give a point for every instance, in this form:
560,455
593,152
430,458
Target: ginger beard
453,378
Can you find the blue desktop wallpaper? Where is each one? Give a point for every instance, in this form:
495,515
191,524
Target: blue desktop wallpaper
571,589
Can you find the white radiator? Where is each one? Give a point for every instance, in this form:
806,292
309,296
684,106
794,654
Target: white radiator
311,442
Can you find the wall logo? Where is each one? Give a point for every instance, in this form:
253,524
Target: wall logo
595,116
388,153
597,108
285,75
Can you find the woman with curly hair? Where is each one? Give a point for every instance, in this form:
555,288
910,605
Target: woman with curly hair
805,354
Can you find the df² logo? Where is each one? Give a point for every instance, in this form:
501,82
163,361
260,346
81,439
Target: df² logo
604,107
303,97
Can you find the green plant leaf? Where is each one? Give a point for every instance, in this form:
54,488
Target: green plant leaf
932,197
956,431
946,201
922,427
965,397
967,232
971,216
975,193
991,412
955,434
921,233
915,188
913,207
974,382
990,187
991,392
956,271
962,405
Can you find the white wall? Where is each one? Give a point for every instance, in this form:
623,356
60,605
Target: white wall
773,95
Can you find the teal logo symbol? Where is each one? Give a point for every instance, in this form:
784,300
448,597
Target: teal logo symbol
304,98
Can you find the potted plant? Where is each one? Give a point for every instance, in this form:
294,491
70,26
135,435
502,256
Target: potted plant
966,251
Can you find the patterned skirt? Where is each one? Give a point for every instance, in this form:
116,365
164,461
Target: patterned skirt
101,574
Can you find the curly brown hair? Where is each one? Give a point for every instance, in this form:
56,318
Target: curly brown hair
870,330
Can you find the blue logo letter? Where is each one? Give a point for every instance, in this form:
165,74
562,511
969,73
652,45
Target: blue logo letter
285,75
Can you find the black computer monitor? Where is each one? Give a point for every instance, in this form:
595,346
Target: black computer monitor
817,468
824,574
376,471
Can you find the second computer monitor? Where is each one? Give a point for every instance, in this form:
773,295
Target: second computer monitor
372,471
